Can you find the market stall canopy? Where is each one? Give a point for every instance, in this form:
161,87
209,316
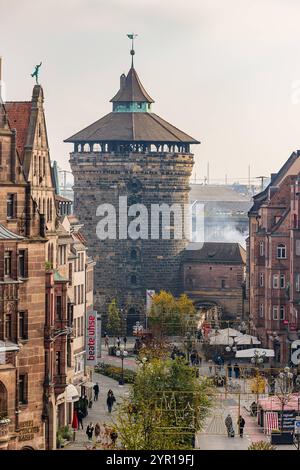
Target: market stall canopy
253,351
246,339
224,337
71,393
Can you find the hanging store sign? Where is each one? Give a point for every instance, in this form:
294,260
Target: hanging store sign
91,338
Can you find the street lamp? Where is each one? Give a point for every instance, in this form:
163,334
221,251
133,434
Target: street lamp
122,353
258,359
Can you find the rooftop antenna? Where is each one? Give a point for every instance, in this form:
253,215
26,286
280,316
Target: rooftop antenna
132,37
262,179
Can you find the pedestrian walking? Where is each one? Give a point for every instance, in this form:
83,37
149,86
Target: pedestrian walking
97,432
96,391
118,342
229,426
241,424
210,365
110,400
114,436
85,405
106,342
124,341
80,417
90,431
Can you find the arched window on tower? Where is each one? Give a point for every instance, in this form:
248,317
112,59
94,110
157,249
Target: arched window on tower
133,279
97,148
133,254
86,148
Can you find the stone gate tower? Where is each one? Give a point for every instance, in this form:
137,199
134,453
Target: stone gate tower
131,152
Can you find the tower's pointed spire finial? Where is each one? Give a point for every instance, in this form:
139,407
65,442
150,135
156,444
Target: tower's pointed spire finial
132,36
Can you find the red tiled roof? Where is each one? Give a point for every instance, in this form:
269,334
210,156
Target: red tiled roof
19,116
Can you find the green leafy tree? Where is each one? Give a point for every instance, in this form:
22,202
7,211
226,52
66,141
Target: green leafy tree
114,320
166,407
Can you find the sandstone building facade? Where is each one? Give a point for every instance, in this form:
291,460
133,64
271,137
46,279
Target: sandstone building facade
40,257
22,302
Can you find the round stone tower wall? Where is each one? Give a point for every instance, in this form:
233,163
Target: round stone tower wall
126,268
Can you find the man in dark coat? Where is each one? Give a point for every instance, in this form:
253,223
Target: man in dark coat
241,423
96,391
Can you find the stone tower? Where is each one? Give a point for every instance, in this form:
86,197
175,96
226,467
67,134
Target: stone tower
131,152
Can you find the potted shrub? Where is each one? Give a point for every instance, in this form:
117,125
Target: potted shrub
261,445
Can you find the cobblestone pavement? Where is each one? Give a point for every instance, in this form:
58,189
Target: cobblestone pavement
98,413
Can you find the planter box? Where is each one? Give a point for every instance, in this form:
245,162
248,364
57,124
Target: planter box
282,439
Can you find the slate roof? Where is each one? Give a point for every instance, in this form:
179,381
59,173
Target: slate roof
215,252
19,117
131,127
217,193
132,90
6,234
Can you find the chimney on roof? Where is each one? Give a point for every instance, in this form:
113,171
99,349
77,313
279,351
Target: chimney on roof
122,81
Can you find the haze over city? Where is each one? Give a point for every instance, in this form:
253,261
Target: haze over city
227,73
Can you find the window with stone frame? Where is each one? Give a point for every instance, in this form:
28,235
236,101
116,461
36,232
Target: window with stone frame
8,263
261,248
261,310
297,282
23,263
282,312
11,206
8,326
23,325
23,389
281,251
275,312
282,281
57,363
261,279
58,307
275,281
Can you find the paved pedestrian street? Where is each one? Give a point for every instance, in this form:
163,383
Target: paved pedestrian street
98,413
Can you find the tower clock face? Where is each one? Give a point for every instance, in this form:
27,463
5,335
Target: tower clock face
134,185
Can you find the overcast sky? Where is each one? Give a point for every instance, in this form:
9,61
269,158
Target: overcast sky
225,71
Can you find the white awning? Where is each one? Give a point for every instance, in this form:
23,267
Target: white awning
247,339
72,394
253,351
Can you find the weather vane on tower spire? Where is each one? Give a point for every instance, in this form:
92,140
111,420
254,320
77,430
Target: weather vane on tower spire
132,52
